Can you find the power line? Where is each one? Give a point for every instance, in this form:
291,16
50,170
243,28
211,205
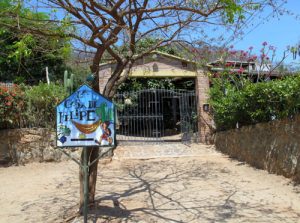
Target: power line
260,23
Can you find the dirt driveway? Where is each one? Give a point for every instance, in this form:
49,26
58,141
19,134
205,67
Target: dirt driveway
204,187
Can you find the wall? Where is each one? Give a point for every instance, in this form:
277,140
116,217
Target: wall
22,146
104,75
204,119
162,66
273,146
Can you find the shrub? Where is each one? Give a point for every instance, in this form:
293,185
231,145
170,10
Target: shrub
251,103
41,101
23,106
11,105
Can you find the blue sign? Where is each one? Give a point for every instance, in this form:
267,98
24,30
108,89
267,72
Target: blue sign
85,118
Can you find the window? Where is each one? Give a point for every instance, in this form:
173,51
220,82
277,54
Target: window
184,64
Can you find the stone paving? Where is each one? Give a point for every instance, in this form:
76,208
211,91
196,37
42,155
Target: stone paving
162,150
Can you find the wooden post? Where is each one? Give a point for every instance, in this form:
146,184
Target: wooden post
47,76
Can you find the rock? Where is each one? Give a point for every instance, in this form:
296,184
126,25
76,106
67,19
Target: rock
49,155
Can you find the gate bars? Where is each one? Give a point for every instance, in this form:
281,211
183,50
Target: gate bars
156,115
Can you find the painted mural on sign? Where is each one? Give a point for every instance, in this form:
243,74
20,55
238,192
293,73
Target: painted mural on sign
85,118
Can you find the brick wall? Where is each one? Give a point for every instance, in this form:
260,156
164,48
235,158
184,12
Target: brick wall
204,119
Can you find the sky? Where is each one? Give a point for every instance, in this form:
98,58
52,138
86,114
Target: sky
279,32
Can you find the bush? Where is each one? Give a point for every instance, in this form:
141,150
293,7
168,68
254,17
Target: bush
24,106
41,101
11,106
251,103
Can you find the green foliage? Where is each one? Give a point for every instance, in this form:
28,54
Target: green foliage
41,101
231,10
24,56
30,106
136,84
145,44
253,102
68,82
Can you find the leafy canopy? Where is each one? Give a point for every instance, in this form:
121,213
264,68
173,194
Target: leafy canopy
24,55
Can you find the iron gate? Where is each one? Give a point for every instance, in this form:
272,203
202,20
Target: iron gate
156,116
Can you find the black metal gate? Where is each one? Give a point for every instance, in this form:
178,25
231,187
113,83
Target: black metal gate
158,115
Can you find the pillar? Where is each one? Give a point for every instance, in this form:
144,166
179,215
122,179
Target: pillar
204,117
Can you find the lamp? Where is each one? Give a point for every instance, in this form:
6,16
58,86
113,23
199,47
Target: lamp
205,107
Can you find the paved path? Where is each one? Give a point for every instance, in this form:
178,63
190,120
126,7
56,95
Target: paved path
204,187
163,150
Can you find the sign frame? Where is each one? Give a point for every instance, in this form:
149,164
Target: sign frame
114,123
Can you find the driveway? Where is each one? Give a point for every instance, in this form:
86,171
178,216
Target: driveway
162,183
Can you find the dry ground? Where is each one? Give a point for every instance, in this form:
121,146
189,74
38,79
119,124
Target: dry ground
208,187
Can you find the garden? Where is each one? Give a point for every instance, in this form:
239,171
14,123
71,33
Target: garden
239,102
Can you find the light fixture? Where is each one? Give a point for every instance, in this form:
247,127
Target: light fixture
205,107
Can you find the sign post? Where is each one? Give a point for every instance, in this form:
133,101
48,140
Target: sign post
85,184
85,119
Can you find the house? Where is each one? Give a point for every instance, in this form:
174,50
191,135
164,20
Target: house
153,106
250,68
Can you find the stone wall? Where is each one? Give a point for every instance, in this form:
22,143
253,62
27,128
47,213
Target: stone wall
20,146
273,146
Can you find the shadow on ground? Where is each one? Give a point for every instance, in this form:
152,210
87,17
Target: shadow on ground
168,191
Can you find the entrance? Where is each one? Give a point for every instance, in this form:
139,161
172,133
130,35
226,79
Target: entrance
157,115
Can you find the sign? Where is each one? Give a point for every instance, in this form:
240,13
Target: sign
85,118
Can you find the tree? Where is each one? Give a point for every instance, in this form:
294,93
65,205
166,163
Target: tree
24,56
104,27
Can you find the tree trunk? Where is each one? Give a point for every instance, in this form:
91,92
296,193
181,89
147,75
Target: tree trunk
111,83
116,79
92,152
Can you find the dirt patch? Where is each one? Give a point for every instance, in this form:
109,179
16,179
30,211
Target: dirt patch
206,188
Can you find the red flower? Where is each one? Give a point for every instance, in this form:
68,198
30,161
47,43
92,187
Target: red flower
241,70
8,103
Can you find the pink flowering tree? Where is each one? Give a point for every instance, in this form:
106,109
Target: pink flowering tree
237,63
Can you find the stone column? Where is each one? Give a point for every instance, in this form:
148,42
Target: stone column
204,119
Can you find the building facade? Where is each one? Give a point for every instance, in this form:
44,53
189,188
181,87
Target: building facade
161,65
